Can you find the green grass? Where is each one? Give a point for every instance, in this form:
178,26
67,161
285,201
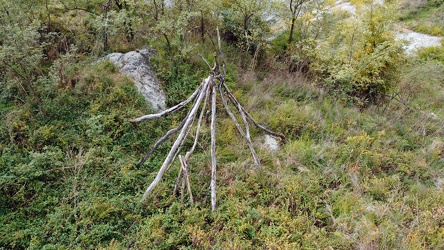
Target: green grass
425,17
348,178
58,170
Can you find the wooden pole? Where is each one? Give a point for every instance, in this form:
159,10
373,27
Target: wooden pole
213,148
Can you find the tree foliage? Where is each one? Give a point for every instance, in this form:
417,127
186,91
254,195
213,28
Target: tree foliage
20,53
244,22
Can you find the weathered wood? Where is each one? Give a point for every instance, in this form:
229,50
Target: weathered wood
221,53
196,137
247,135
185,161
182,189
178,179
213,148
239,128
268,131
161,140
179,139
206,92
186,180
167,135
170,110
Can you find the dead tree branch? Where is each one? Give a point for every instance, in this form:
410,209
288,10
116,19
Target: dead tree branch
170,110
213,148
268,131
179,139
206,92
239,128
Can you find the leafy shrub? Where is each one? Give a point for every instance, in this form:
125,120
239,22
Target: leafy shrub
360,62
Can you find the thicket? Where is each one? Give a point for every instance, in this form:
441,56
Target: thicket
362,168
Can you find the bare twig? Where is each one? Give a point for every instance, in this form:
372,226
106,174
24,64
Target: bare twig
170,110
189,153
196,137
247,135
182,166
206,62
186,180
179,178
221,53
161,140
211,39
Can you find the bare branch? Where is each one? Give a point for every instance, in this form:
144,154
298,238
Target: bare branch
213,148
247,135
170,110
221,53
179,139
184,167
239,128
268,131
206,62
77,8
188,154
162,140
179,177
196,137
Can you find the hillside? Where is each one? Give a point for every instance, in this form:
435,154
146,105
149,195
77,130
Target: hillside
362,168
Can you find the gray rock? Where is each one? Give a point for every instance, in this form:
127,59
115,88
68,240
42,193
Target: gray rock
135,64
345,6
417,40
271,143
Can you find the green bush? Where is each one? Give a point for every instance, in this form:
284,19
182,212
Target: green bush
360,62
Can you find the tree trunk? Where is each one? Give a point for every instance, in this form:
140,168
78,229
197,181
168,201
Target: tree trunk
202,27
290,38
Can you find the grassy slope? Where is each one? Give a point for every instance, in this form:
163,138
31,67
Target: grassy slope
68,178
424,16
346,179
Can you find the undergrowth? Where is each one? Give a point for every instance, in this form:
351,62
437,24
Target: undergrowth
425,16
349,177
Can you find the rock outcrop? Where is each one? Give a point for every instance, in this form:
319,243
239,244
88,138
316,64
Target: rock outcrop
135,64
417,40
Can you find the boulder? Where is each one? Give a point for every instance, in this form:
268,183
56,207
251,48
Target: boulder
135,64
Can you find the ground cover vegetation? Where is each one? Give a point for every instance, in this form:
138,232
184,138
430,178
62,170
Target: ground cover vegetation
425,16
363,166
